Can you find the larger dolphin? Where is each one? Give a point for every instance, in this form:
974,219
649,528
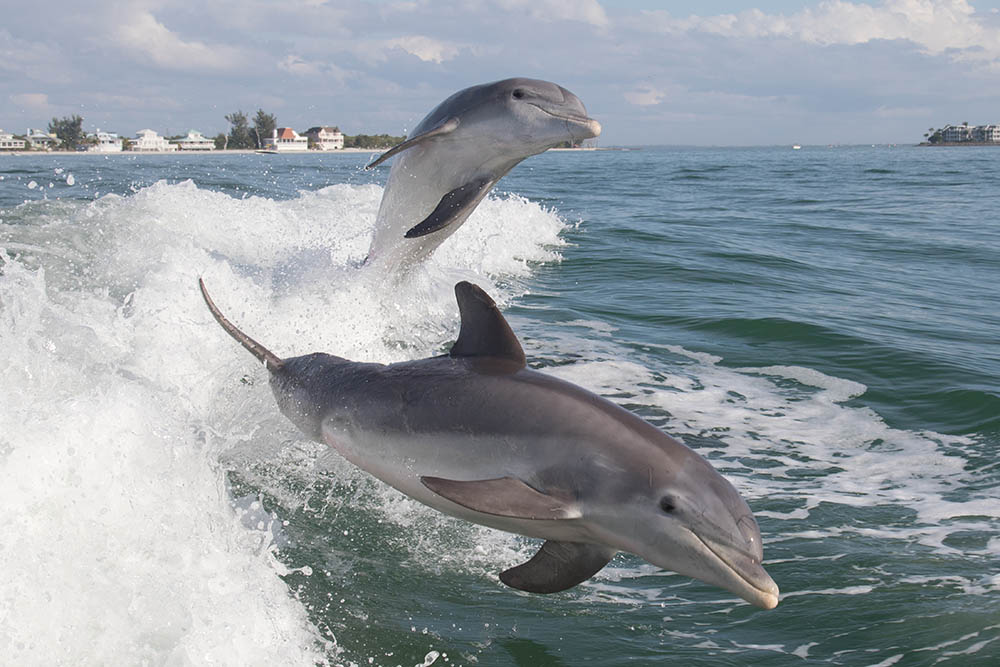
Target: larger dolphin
459,151
477,435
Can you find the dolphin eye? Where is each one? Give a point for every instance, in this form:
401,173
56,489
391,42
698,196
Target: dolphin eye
517,94
667,504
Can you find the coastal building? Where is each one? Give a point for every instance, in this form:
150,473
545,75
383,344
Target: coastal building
104,142
195,141
148,141
987,134
286,139
325,138
954,134
9,143
964,133
40,140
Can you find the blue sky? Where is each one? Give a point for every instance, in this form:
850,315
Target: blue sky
713,72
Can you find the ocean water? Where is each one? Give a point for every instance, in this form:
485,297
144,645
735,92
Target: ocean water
823,325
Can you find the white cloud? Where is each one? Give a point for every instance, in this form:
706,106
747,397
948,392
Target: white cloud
427,49
821,71
645,96
32,101
900,112
584,11
142,33
295,65
936,25
298,66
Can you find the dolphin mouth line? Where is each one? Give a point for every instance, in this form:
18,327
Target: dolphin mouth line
582,120
767,596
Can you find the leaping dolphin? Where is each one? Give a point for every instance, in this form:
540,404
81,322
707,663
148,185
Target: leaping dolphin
459,151
477,435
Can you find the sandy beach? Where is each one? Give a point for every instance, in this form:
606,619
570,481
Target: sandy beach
212,152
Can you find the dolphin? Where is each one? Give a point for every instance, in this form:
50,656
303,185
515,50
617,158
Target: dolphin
459,151
479,436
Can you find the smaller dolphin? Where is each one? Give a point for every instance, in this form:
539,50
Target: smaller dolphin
477,435
459,151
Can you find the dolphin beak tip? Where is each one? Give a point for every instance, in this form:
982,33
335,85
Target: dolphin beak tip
766,598
768,601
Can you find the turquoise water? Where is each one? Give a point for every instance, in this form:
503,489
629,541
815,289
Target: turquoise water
821,324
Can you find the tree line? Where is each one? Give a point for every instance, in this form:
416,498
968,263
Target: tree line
242,135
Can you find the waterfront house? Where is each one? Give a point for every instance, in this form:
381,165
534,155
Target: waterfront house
325,138
40,140
195,141
9,143
105,142
954,134
148,141
987,134
286,139
964,133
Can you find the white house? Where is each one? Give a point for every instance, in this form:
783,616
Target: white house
989,134
148,141
9,143
286,139
195,141
40,140
967,133
107,142
956,133
325,138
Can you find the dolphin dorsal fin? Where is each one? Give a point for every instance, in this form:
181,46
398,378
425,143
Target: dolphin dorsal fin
485,332
444,128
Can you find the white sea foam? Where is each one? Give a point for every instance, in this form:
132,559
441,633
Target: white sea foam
122,401
793,419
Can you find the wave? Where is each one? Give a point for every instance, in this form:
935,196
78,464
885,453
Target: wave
125,402
137,427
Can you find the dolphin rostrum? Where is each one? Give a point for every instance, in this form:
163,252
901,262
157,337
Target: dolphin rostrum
476,434
459,151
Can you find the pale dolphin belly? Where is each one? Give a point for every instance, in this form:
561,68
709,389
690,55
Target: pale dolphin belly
466,426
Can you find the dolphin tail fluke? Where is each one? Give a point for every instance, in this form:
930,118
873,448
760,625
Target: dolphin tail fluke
558,566
265,356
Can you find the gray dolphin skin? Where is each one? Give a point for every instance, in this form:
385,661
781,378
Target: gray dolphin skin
459,151
477,435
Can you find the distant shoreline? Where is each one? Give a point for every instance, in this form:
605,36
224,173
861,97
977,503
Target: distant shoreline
241,151
251,151
959,143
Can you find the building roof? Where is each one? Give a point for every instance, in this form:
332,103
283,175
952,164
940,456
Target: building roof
285,133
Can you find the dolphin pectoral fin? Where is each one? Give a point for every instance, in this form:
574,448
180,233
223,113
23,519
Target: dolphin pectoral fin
444,128
484,332
558,566
505,496
453,204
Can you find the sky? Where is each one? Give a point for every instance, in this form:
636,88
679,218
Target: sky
711,72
